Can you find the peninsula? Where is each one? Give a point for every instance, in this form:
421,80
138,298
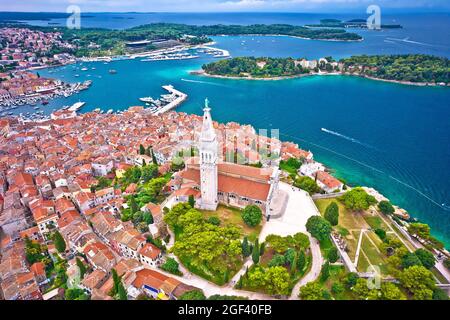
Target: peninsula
414,69
354,23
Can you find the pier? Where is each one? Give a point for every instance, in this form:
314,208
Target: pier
179,96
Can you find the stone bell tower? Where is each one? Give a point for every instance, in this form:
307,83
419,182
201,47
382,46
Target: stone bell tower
208,162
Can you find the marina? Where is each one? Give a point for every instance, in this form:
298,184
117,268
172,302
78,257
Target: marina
166,102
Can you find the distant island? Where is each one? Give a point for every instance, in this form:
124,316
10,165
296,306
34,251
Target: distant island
99,42
354,23
413,69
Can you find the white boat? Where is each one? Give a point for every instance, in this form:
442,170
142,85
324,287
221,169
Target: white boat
147,99
84,69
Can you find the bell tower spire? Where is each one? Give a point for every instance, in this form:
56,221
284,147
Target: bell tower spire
208,161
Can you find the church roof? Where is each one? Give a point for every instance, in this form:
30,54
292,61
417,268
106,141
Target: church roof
241,186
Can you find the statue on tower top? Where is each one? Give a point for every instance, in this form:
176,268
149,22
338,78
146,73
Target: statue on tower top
207,105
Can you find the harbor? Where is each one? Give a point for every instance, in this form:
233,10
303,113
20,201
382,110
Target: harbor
166,102
42,96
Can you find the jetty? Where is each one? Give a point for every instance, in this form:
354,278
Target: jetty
175,99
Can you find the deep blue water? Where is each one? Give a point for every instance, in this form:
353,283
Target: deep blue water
397,137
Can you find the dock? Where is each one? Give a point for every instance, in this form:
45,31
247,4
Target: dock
180,97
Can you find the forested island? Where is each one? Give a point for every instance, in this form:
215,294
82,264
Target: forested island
354,23
408,69
94,42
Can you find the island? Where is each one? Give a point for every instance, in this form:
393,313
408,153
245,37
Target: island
416,69
97,42
354,23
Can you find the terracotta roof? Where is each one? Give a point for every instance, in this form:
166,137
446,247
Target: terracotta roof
240,186
150,251
328,180
150,278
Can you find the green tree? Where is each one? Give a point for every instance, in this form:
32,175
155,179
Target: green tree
351,279
333,255
318,227
191,201
439,294
290,256
420,230
409,260
277,280
149,172
192,295
325,272
256,252
332,213
337,288
357,199
311,291
58,239
81,267
172,266
246,251
426,257
147,218
389,291
277,260
133,205
155,161
301,260
380,233
386,207
214,220
252,215
419,281
141,149
361,289
122,292
116,281
306,183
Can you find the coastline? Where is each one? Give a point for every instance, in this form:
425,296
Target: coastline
409,83
286,35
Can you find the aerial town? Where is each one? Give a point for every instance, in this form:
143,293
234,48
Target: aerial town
95,206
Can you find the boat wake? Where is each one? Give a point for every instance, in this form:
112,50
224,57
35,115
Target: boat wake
442,206
334,152
337,134
410,41
203,82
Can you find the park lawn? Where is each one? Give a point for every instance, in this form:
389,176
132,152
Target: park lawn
230,215
347,219
372,253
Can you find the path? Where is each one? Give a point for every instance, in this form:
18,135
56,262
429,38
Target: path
298,209
313,274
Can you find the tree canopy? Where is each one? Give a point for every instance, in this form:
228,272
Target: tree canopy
357,199
332,213
252,215
318,227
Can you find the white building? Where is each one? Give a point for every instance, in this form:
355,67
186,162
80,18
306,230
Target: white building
208,163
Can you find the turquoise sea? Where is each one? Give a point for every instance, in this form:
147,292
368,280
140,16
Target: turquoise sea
392,137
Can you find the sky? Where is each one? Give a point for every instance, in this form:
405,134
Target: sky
221,5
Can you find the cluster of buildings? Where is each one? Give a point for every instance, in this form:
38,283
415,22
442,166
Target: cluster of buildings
26,48
24,83
48,170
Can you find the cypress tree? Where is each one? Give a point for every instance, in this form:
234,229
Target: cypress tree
255,254
301,260
246,251
262,248
122,292
154,157
60,244
141,149
116,281
82,268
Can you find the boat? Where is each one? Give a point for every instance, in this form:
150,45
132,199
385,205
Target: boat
84,69
112,71
147,99
36,108
44,102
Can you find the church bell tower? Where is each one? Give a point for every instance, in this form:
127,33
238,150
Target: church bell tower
208,162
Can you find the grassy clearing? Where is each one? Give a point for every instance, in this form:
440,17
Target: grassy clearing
232,216
337,275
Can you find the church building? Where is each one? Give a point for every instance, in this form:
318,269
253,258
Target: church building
224,182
